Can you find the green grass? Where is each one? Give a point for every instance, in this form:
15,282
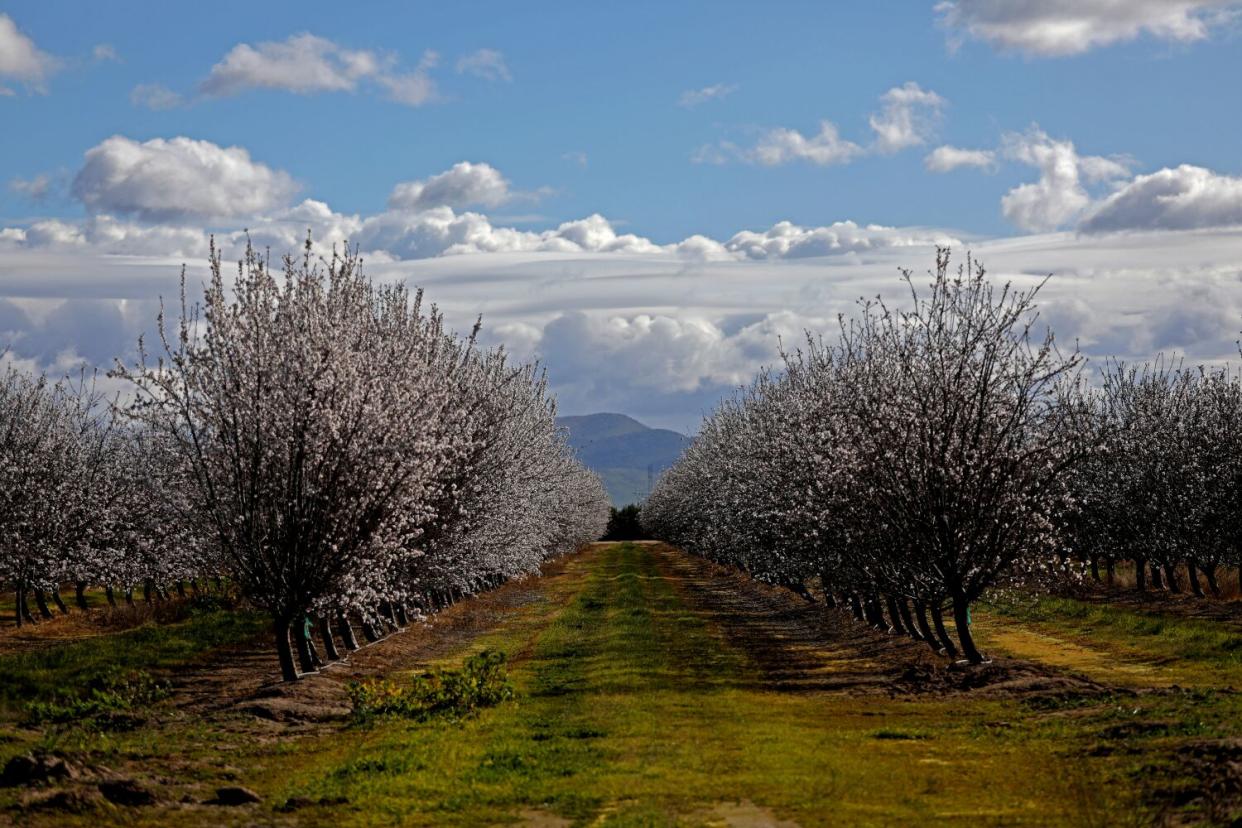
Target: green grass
632,708
72,669
1114,643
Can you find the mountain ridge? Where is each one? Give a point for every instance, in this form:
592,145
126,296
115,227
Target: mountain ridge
624,452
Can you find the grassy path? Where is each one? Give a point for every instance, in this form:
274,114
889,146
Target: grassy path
634,711
651,695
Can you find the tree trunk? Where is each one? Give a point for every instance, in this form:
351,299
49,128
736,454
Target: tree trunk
17,604
307,658
875,617
1209,572
1170,576
146,591
110,595
1156,581
129,596
856,606
938,619
403,618
79,595
1193,572
41,603
346,631
1110,570
894,616
961,617
181,588
329,646
920,615
1095,568
907,621
58,601
368,632
288,671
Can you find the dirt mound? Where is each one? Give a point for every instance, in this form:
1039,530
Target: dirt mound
1001,678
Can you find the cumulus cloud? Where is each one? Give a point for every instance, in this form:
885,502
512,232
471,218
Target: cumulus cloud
306,64
488,64
716,92
786,240
36,188
21,59
464,185
947,158
1059,196
782,146
154,96
177,179
1184,198
908,117
1053,28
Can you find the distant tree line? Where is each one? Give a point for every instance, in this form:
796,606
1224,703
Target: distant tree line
624,524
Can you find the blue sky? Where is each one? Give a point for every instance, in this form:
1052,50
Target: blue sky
1086,124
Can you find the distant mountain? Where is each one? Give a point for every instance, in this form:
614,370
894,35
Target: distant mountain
620,450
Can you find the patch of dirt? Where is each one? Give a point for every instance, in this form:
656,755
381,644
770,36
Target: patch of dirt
1202,783
744,814
801,646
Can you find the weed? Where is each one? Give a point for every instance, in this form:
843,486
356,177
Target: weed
454,694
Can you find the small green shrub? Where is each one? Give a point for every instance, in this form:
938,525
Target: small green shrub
106,699
454,694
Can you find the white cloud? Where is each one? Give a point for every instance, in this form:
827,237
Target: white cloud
154,96
783,146
786,240
105,53
1059,196
1052,28
306,64
576,157
716,92
35,189
662,336
177,179
464,185
413,88
21,59
909,116
948,158
488,64
1183,198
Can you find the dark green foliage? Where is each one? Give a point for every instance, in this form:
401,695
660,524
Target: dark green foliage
481,682
623,524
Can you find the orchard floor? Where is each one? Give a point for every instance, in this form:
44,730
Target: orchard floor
656,689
